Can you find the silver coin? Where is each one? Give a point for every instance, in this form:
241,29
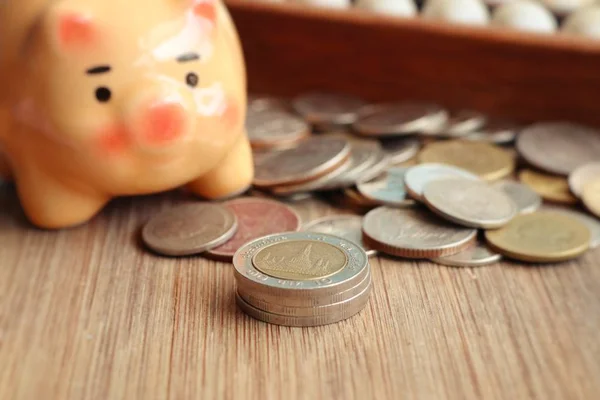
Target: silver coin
312,311
255,297
592,223
459,123
301,245
581,175
400,150
418,176
364,154
346,226
559,147
286,320
381,164
274,127
258,102
476,256
414,233
469,203
325,109
387,189
496,131
398,118
527,200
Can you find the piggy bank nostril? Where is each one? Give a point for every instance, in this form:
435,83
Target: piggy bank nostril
163,122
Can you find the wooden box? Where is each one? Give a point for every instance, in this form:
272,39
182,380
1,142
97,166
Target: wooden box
291,48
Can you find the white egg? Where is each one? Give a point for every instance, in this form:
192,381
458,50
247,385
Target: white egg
340,4
525,15
584,22
470,12
404,8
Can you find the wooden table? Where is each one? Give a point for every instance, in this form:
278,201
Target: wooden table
87,313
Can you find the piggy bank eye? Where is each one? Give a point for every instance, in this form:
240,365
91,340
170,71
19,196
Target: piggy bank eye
192,79
103,94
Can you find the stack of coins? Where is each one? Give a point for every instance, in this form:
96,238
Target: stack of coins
302,279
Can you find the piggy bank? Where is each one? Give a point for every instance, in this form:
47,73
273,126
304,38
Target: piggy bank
108,98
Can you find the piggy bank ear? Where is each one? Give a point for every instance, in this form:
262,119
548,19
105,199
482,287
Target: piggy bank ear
72,31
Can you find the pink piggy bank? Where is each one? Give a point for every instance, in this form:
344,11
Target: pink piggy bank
107,98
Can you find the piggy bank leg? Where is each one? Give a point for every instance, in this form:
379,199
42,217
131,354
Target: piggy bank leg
52,205
231,177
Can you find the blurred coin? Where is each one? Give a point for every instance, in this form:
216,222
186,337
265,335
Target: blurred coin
414,233
550,187
279,319
592,223
189,229
364,154
459,123
252,224
346,226
382,161
486,160
387,189
582,175
541,236
327,109
398,118
418,176
590,196
258,102
474,204
527,200
269,128
559,147
475,256
300,264
358,199
400,150
312,158
497,131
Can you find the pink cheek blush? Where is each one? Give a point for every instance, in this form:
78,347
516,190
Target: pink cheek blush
113,140
205,10
231,116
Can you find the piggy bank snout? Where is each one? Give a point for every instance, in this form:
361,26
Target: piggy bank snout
159,122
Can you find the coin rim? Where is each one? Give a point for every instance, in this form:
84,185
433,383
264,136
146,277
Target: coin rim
449,261
402,129
304,228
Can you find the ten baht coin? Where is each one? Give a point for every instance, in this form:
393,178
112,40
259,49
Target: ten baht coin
542,236
301,263
189,229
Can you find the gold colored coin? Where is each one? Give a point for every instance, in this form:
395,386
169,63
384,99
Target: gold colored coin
550,187
300,260
591,196
542,236
486,160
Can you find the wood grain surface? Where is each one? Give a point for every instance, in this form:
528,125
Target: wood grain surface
87,313
291,48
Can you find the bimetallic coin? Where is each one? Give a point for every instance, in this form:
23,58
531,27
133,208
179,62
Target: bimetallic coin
475,256
286,320
550,187
312,158
189,229
252,223
418,176
346,226
527,200
559,147
398,118
496,131
312,311
592,223
582,175
590,196
414,233
541,236
469,203
400,150
485,160
324,263
327,109
270,128
387,189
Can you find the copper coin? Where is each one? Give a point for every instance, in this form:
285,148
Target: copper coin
559,147
398,118
582,175
274,128
322,108
189,229
312,158
256,217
